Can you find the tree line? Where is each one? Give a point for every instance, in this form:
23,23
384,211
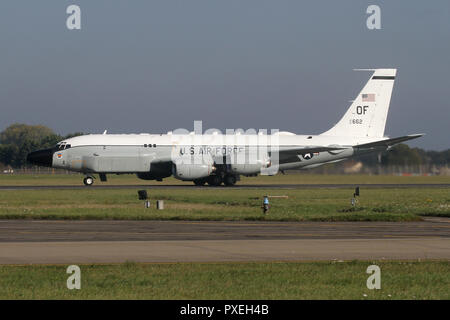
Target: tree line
403,155
19,139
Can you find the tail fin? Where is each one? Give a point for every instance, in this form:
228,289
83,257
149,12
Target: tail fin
367,115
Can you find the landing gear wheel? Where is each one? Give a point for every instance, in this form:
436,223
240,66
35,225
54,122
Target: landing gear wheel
199,182
88,181
215,181
230,180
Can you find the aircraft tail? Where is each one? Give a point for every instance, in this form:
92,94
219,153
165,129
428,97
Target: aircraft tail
367,114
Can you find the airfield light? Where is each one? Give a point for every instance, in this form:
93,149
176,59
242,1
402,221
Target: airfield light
142,194
265,206
355,194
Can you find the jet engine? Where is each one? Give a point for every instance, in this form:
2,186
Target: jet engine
250,168
191,168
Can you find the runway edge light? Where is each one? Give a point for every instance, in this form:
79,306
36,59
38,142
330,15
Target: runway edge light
355,194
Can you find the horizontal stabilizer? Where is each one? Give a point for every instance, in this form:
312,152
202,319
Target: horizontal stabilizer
310,149
389,142
291,154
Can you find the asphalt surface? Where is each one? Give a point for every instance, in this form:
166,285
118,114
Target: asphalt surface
119,230
50,242
237,186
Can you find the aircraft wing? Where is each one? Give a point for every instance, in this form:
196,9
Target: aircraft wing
287,155
389,142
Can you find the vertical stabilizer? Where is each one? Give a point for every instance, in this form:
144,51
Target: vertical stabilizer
367,115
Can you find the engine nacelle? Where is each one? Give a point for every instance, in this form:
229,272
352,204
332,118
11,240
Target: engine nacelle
193,168
192,171
250,169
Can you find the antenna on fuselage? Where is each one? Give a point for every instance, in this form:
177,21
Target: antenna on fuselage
104,132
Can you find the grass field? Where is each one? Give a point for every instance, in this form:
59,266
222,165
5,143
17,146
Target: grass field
283,280
209,203
300,178
227,204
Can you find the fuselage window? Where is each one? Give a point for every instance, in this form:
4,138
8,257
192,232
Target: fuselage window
154,145
145,145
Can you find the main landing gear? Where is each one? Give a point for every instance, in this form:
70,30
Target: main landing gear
199,182
217,180
229,180
214,181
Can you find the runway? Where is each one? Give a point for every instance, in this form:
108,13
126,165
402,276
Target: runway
119,230
72,242
238,186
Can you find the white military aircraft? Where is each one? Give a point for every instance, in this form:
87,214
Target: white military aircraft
217,158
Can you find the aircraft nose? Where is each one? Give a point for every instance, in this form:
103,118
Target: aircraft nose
41,157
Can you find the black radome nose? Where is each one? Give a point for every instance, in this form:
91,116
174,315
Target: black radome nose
41,157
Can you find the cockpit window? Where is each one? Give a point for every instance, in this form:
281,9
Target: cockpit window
68,146
61,146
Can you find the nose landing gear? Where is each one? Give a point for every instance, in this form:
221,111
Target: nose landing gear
88,181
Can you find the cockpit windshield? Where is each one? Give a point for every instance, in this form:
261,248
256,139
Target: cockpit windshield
62,146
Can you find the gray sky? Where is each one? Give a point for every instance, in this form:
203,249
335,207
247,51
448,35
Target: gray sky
157,65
